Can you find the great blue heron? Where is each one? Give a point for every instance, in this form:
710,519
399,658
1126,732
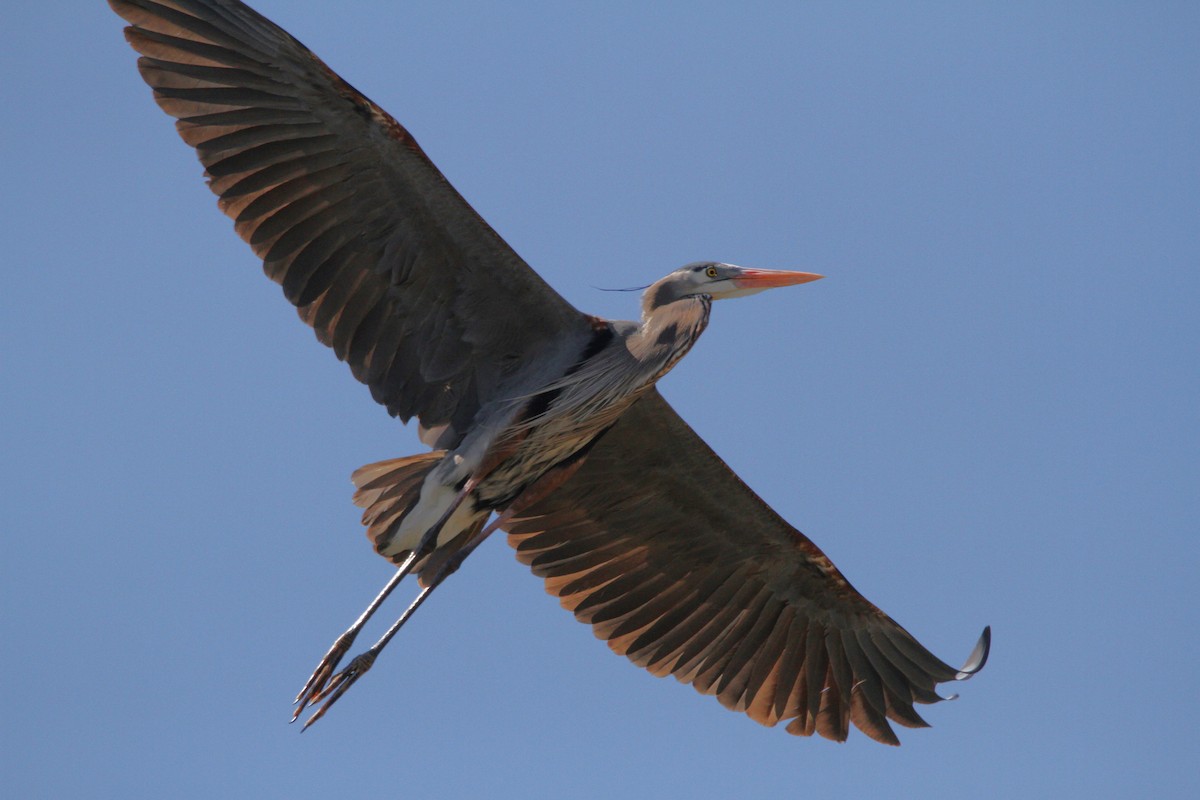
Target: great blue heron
543,419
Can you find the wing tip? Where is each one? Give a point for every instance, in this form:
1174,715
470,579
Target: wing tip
979,656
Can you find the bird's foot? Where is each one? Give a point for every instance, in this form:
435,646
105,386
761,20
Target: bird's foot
315,688
337,687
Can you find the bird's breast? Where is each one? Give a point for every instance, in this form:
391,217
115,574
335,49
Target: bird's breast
568,414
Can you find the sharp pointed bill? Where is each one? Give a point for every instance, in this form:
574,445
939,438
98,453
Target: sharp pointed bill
772,278
544,422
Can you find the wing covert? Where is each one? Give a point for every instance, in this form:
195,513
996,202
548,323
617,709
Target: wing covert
680,567
383,258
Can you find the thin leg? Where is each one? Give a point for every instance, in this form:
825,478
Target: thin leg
320,676
318,685
359,665
364,661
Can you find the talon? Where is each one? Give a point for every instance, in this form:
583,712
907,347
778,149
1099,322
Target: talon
353,671
338,686
316,686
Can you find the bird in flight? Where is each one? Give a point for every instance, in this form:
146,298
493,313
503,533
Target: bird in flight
544,422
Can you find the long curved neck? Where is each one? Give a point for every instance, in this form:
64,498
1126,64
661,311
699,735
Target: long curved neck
660,294
668,331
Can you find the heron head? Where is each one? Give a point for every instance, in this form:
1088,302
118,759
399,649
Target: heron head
718,281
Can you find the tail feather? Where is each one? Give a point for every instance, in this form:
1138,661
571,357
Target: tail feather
387,490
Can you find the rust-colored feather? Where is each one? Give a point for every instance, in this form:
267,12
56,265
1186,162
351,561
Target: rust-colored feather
717,590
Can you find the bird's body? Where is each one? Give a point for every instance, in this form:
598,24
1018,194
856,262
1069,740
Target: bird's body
539,425
544,422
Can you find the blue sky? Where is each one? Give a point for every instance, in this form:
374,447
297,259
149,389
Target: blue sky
986,414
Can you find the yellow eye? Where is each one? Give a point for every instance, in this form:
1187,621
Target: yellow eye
711,272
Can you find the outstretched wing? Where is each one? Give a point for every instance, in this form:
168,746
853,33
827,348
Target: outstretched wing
674,561
383,258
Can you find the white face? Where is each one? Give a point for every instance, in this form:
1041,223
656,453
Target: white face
715,279
718,281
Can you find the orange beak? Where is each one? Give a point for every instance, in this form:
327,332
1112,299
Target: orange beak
770,278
